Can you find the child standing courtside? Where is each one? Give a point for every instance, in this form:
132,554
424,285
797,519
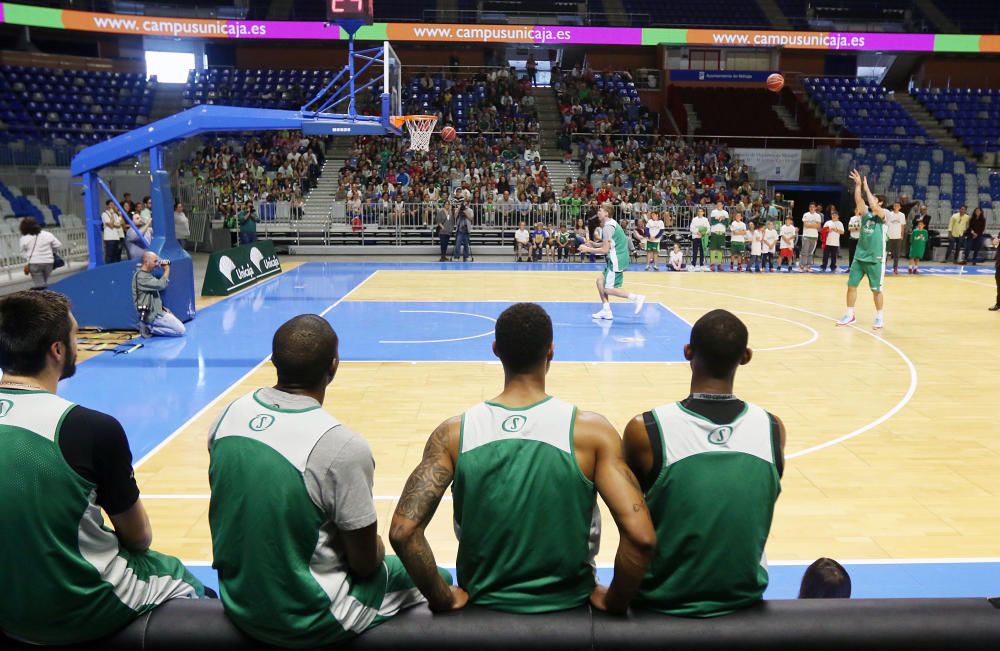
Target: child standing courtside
834,229
654,228
788,233
716,241
738,242
756,236
769,246
918,246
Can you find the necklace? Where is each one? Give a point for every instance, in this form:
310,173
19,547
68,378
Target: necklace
19,385
713,396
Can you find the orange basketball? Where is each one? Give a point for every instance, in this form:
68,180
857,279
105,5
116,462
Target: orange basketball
448,134
775,82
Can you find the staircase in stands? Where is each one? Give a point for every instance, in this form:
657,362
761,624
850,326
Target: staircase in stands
316,209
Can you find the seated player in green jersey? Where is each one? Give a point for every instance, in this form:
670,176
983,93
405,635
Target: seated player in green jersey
710,467
614,246
68,578
294,530
525,470
869,257
918,246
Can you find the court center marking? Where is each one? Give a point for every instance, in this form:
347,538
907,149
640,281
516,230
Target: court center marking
442,341
864,428
815,334
211,403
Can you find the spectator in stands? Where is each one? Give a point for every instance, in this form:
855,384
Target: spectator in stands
921,216
531,66
38,247
958,224
974,236
182,226
825,579
812,222
443,227
710,467
540,560
154,319
299,557
895,225
248,224
112,232
75,579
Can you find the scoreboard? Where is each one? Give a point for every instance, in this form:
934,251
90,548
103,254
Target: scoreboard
360,11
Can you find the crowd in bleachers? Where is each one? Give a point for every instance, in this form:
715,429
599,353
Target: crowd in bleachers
495,101
273,167
605,103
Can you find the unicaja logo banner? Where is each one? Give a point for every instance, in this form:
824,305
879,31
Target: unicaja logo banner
5,407
239,267
720,435
514,424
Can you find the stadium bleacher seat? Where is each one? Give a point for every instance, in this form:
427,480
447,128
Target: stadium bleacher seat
864,108
971,114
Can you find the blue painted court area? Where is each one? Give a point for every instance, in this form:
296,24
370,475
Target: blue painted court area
868,580
436,331
153,391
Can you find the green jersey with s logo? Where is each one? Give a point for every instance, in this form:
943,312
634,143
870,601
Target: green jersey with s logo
525,515
711,505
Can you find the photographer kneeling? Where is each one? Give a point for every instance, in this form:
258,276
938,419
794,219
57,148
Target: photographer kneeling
154,319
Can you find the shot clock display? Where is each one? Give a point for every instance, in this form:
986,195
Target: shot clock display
350,10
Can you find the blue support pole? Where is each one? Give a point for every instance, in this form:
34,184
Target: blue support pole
350,72
92,214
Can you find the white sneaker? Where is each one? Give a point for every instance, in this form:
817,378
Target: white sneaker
603,313
879,323
640,300
848,319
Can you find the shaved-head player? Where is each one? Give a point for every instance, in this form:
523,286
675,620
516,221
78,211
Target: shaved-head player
710,467
294,531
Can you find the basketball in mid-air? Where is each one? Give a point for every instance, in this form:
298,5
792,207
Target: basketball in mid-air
448,134
775,82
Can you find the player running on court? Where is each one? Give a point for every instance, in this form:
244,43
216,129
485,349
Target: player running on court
869,258
614,246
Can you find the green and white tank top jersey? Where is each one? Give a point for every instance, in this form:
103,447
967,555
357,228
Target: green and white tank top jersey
282,574
712,505
871,245
68,579
525,515
617,258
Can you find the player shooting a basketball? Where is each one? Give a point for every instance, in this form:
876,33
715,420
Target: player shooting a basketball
869,260
614,247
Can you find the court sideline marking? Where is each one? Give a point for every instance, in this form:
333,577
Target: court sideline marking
211,403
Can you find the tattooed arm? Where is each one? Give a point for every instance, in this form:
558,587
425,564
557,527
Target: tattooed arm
421,496
620,491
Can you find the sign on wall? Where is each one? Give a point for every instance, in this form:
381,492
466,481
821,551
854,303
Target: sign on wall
731,76
772,164
232,269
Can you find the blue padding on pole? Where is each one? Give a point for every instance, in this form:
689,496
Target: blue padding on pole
102,297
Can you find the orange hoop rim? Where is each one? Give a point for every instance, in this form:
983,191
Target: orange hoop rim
399,120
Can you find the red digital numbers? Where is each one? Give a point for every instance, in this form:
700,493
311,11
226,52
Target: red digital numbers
352,7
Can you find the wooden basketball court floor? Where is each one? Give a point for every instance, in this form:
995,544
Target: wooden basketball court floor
893,453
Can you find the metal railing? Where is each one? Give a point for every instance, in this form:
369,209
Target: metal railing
74,249
413,223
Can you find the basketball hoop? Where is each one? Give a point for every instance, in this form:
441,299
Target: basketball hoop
420,127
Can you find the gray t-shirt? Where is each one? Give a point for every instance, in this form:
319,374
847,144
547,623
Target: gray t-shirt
340,470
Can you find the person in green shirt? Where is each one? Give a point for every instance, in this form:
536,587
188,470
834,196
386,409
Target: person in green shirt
562,244
614,246
918,246
248,224
716,242
869,258
525,470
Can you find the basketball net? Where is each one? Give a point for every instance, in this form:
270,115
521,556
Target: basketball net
420,127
